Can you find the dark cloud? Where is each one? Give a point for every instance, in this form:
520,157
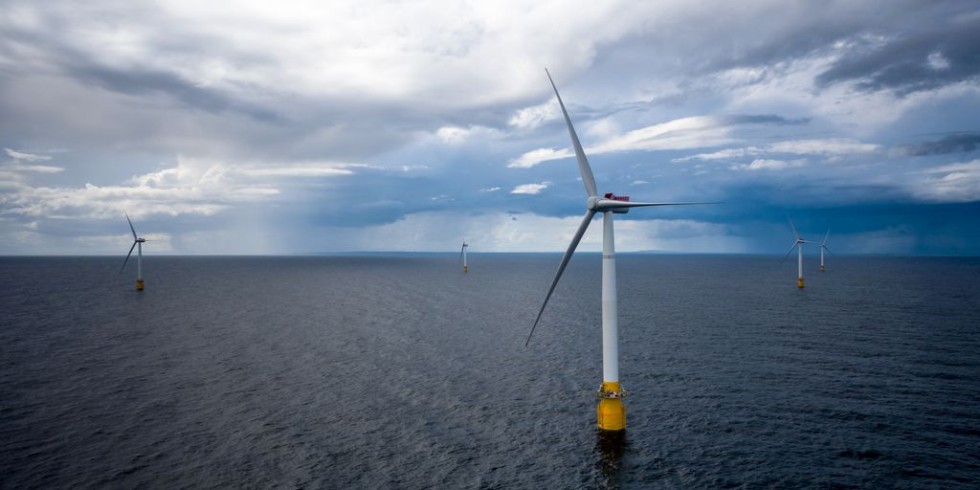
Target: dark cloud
128,87
945,54
137,81
954,143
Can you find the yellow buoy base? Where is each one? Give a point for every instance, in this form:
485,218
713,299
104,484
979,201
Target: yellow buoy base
611,413
466,269
822,268
139,284
799,283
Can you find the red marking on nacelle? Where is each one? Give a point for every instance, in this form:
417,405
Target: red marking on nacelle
614,197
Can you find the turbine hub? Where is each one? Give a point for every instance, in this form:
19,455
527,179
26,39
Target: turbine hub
592,203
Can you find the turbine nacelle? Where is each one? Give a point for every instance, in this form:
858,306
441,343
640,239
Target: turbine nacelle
616,207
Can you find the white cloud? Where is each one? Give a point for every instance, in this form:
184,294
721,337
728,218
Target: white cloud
726,154
957,182
531,117
766,164
27,157
452,134
937,61
827,147
540,155
530,188
684,133
678,134
830,148
42,169
192,186
303,170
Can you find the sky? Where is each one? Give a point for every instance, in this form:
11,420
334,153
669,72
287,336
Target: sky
308,127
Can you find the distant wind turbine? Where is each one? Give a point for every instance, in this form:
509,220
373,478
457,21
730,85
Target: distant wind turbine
462,256
611,413
823,246
138,244
798,245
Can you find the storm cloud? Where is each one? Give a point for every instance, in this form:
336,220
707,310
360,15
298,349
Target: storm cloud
353,125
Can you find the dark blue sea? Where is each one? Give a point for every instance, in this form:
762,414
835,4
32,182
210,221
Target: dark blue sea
403,372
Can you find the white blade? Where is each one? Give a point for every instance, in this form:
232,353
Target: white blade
583,164
795,234
606,204
127,257
825,237
561,268
131,226
791,247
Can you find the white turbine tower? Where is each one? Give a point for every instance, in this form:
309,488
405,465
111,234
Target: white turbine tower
138,244
798,244
823,246
611,413
462,256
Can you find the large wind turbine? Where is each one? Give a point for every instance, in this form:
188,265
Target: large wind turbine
798,244
823,246
138,244
462,256
611,413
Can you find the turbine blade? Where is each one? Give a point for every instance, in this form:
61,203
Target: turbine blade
791,247
604,204
795,234
127,257
825,237
825,248
131,226
583,164
561,268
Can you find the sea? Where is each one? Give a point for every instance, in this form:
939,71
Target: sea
402,371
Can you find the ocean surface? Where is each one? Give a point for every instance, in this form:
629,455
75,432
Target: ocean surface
404,372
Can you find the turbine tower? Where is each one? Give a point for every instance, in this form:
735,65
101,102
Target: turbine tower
798,244
138,244
462,256
611,414
823,246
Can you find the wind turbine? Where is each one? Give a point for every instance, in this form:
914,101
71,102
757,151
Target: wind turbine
611,414
798,244
462,256
137,243
823,246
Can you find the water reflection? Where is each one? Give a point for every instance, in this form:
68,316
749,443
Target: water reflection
610,447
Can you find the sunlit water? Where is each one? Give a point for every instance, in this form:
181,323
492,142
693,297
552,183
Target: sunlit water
403,372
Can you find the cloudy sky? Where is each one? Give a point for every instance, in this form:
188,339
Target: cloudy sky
295,127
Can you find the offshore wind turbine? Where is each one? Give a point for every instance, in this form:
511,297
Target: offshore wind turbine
798,244
462,256
823,246
610,413
138,244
